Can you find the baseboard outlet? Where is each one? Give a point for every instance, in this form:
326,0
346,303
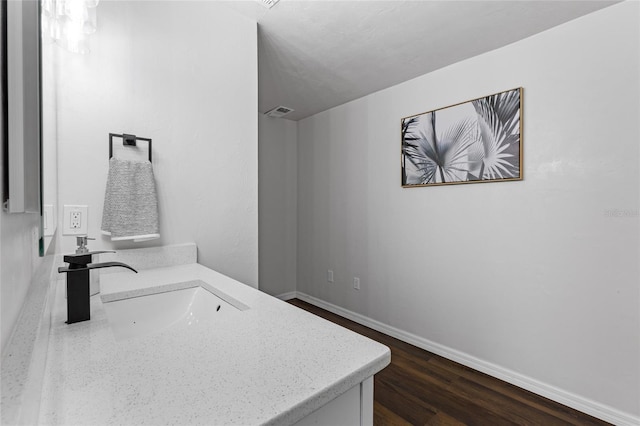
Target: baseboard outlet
561,396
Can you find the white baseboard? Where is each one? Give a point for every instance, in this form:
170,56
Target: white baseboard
569,399
288,296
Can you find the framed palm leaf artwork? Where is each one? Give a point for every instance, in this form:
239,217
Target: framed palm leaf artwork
474,141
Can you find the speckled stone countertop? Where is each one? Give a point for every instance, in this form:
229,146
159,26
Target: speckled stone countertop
271,364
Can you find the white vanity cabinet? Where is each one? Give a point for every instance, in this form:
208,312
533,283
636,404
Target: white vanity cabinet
352,408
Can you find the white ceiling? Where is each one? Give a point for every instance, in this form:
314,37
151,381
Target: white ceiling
317,54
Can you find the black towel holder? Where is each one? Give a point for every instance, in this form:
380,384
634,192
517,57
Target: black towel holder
127,140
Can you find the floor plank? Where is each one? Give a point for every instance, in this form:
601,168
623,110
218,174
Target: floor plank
422,388
383,416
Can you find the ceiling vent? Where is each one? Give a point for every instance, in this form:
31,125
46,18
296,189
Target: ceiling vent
278,112
268,3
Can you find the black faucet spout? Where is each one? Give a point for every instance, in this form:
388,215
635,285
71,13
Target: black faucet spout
110,265
78,303
96,266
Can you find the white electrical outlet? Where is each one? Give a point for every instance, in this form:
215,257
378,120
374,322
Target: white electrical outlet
356,283
75,220
330,276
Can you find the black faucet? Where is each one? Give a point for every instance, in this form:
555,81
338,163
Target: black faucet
78,283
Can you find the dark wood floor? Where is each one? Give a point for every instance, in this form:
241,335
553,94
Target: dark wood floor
421,388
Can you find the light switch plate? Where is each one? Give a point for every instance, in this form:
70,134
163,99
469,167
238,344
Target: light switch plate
74,221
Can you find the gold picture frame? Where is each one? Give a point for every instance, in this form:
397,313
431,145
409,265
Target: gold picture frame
475,141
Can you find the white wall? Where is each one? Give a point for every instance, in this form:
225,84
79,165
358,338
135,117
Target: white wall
184,74
49,52
531,276
277,172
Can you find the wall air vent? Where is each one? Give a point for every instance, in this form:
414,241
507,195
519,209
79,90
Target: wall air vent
268,3
278,112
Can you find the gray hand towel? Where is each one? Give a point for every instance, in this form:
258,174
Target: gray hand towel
130,202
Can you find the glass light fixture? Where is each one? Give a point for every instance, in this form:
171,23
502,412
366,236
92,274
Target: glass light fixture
70,22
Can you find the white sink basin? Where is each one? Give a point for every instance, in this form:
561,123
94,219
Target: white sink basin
150,314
